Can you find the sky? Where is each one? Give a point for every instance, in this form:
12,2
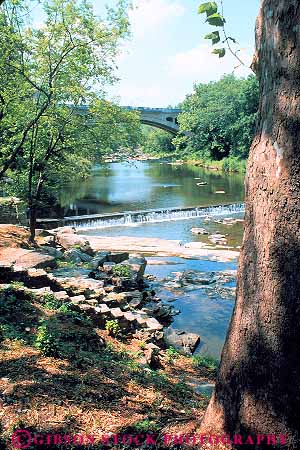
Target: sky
167,52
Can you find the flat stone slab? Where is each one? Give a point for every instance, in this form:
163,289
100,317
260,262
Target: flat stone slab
82,286
161,247
153,324
26,259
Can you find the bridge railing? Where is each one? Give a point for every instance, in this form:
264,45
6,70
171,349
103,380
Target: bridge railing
145,109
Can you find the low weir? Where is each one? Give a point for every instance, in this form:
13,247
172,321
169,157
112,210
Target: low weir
127,218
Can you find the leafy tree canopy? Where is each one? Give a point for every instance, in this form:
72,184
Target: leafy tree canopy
218,119
48,73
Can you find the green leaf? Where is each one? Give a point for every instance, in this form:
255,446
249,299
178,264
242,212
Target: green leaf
219,51
216,20
209,8
214,36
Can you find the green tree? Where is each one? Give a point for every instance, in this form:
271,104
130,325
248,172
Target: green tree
65,65
157,142
218,119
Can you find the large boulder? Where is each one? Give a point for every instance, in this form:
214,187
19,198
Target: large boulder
137,265
77,256
195,277
117,257
51,251
40,232
99,259
68,241
218,239
181,340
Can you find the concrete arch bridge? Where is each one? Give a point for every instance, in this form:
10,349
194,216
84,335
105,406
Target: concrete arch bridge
163,118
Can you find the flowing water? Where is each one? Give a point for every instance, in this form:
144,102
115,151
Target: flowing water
159,199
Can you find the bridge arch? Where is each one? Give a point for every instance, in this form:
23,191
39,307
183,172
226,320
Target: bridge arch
164,127
163,118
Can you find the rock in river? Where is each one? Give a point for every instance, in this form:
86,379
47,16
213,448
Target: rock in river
184,342
195,277
201,231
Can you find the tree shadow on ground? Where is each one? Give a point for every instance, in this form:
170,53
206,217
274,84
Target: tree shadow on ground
74,377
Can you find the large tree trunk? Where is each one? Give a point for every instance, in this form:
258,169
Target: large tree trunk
258,385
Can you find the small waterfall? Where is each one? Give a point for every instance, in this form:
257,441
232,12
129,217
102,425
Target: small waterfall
132,218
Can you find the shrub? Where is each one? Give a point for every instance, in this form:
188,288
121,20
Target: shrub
51,302
113,327
9,331
205,361
46,341
121,270
233,164
16,284
145,426
66,308
142,345
172,354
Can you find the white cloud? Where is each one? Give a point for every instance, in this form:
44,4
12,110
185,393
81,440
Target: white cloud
147,15
175,79
200,65
147,95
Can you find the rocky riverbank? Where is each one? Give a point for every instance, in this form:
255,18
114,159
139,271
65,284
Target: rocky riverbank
107,286
85,344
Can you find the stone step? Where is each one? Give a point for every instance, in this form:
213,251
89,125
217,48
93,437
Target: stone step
153,324
116,313
141,320
131,318
135,303
81,286
78,299
86,308
61,295
102,309
37,278
100,314
39,293
113,297
92,302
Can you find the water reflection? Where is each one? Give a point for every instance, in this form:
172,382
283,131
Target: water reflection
148,185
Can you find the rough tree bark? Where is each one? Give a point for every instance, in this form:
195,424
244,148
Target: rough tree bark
258,385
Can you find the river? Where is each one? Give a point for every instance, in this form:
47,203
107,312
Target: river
144,185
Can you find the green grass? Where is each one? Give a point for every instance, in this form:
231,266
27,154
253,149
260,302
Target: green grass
230,164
